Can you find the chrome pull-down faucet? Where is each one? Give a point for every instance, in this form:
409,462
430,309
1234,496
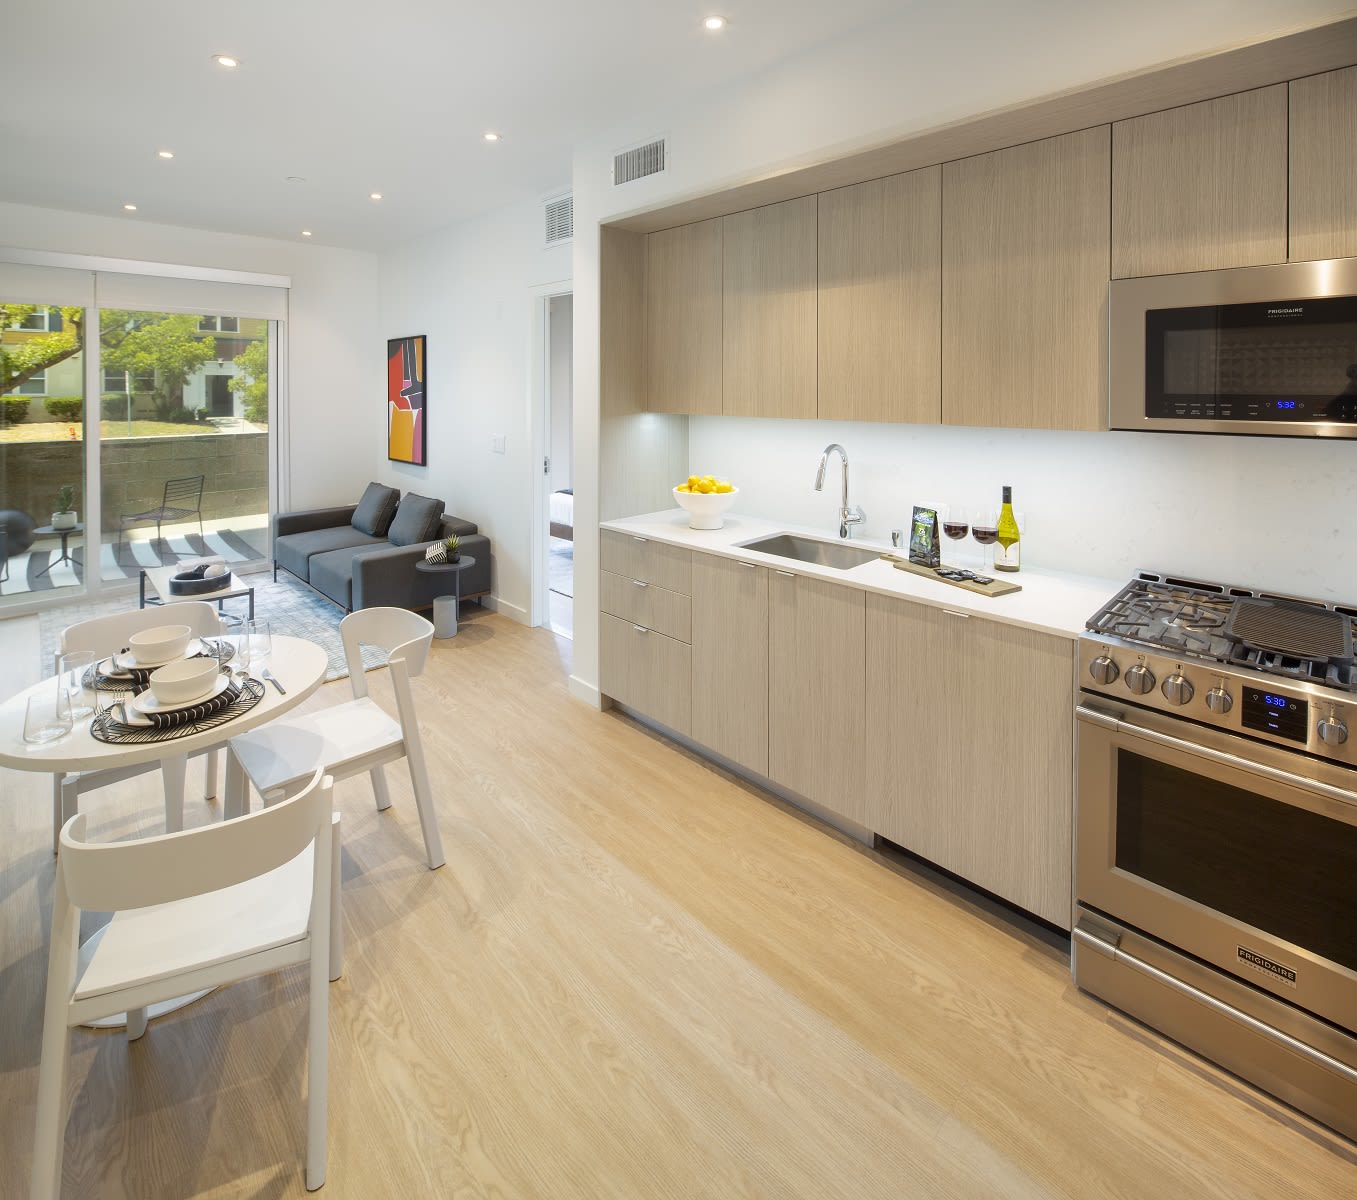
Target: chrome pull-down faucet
848,516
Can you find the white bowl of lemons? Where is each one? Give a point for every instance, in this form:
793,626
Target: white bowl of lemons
705,498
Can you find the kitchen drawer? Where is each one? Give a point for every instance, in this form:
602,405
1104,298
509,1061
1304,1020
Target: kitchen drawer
670,567
646,671
646,604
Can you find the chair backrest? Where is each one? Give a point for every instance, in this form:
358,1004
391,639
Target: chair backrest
112,876
108,635
178,491
404,635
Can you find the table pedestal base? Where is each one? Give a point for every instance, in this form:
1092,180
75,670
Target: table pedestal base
445,616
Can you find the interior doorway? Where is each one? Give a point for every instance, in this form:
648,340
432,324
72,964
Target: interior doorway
557,466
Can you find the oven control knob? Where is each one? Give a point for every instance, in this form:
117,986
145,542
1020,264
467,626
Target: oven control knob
1140,679
1333,730
1177,689
1219,701
1103,669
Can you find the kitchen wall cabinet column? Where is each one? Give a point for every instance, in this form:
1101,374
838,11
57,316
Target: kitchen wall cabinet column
816,665
1201,187
768,311
683,319
1323,166
730,659
1024,285
880,300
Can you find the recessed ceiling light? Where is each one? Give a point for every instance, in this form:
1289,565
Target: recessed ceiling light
130,207
164,153
225,60
714,23
490,135
306,233
374,195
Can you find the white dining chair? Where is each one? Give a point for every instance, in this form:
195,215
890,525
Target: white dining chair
107,635
196,909
349,738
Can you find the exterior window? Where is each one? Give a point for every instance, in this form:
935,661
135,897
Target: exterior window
37,386
116,381
42,320
219,325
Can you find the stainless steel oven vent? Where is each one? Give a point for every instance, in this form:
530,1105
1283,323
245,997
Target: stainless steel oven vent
1294,630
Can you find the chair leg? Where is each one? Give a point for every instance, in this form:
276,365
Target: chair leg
237,788
317,1072
379,789
428,815
336,906
210,776
50,1134
136,1023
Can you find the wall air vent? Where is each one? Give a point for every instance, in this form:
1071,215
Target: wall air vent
638,162
560,219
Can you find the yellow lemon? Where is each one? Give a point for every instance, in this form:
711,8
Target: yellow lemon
724,486
704,486
683,487
692,481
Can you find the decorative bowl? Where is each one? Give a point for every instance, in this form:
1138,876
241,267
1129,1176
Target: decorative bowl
705,508
159,644
185,680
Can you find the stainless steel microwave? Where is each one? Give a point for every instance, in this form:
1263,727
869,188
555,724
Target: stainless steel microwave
1261,350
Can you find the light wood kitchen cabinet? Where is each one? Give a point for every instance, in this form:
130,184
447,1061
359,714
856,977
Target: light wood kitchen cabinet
971,736
1323,166
683,319
768,311
636,557
730,659
1201,187
1024,297
880,300
646,671
816,664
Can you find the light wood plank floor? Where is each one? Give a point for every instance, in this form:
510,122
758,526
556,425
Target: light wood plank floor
635,977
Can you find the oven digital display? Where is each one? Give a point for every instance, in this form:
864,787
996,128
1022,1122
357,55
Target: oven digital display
1286,716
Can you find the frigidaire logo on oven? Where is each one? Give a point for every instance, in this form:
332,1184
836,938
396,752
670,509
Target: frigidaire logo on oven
1285,312
1265,966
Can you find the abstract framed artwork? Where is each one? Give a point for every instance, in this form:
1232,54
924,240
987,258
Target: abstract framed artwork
407,407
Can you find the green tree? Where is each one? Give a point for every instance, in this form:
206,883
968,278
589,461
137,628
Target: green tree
253,381
20,360
166,343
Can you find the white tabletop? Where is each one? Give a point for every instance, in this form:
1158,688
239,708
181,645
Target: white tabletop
298,664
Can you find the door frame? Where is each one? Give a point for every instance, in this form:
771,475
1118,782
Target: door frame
539,424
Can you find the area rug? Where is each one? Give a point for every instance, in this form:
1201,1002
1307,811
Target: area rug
292,610
561,567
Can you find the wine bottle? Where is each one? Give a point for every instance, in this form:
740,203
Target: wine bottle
1008,556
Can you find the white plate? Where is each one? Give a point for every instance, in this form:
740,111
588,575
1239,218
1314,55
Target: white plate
146,703
128,660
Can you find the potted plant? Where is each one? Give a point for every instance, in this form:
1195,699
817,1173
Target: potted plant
444,551
64,517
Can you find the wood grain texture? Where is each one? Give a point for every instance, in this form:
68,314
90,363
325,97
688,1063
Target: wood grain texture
730,660
1323,166
1201,187
1024,296
816,654
880,300
669,567
683,319
646,671
626,949
768,311
646,604
969,721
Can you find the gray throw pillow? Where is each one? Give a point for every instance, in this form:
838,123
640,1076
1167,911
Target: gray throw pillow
375,510
417,520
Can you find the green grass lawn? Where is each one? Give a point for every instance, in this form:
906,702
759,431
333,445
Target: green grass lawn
57,431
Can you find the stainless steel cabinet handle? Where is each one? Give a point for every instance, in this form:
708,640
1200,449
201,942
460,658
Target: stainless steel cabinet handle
745,564
640,629
635,537
951,612
640,583
788,574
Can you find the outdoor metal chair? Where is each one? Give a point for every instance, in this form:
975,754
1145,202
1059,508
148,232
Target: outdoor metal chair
183,498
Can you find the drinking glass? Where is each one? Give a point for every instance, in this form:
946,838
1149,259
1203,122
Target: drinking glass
985,530
954,522
261,643
71,670
236,630
48,715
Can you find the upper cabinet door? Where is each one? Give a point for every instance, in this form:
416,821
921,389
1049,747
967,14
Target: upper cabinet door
768,309
881,300
683,319
1201,187
1324,166
1024,293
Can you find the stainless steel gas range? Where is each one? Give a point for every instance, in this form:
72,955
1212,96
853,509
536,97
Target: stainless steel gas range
1216,830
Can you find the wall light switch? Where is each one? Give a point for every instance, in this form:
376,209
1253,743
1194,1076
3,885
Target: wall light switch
497,444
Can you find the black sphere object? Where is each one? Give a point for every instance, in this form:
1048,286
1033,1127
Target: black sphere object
17,528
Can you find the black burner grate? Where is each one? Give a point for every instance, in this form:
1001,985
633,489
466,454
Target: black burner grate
1291,630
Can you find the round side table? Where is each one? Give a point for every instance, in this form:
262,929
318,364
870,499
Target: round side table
65,536
445,607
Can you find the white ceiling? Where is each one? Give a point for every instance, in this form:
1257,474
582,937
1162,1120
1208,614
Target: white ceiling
354,97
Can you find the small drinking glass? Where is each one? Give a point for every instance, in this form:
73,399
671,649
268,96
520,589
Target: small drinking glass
71,671
261,643
985,530
954,523
48,715
236,630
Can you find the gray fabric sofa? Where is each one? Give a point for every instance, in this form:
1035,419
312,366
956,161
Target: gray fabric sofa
356,569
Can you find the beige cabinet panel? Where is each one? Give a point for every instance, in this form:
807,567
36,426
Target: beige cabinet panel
1201,187
683,319
880,300
1323,165
1024,285
646,604
641,558
646,671
816,654
730,659
971,728
768,311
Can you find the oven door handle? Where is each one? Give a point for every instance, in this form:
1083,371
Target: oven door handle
1095,716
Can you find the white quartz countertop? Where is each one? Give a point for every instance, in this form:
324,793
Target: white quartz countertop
1050,601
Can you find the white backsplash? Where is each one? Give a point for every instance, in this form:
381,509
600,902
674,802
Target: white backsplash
1275,513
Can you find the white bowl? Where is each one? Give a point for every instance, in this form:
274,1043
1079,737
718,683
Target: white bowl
160,645
705,508
185,680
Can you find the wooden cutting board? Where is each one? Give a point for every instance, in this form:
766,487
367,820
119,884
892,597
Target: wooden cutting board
996,587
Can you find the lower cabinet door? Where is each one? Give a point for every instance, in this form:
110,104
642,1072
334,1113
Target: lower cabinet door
646,671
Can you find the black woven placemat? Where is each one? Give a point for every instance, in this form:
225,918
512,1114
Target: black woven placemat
106,728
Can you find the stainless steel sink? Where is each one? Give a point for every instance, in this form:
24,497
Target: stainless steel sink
842,556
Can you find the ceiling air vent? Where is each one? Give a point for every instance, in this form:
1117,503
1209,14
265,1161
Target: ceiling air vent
638,162
560,219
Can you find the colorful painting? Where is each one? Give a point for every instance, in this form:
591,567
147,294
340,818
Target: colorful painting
407,410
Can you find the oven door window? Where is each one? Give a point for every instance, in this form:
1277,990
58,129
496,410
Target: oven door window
1281,869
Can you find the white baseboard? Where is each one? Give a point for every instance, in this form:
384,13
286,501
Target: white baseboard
585,691
513,611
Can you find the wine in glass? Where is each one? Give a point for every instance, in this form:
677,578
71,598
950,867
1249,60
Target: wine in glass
954,523
985,530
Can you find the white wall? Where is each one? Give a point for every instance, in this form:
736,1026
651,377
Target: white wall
470,289
335,360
